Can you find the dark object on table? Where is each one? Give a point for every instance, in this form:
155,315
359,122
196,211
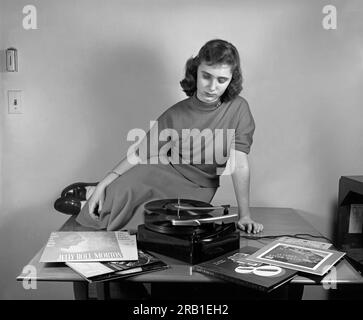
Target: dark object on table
71,197
348,224
188,230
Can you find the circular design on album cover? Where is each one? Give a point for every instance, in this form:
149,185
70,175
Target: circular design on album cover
263,271
245,270
268,271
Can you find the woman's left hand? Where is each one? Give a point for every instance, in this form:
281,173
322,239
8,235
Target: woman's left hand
248,225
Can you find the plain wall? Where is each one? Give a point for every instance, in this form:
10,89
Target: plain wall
1,113
93,71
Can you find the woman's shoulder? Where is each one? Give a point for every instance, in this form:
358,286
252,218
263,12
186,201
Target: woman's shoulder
239,105
176,109
179,106
240,102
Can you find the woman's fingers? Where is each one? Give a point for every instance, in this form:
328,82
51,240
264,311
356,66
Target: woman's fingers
241,226
90,206
101,201
96,203
260,229
93,206
257,227
249,227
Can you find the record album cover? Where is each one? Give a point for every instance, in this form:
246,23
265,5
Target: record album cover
235,267
80,246
302,258
104,271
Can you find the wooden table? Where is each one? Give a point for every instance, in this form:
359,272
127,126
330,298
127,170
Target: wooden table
276,221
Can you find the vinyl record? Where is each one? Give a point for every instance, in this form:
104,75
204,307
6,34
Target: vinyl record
159,213
170,206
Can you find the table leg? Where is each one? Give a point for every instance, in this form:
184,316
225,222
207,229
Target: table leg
295,291
103,290
80,290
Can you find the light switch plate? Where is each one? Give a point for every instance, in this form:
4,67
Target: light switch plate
15,103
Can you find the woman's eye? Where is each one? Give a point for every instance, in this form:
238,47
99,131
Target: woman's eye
222,80
205,76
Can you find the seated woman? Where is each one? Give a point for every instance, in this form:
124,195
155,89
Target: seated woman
171,167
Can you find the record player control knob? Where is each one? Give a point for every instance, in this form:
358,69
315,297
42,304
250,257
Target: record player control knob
226,209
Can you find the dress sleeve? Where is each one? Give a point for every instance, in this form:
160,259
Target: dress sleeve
245,129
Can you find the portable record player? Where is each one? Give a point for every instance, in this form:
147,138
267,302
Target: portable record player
188,230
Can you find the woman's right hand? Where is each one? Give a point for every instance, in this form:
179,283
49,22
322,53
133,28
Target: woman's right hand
96,201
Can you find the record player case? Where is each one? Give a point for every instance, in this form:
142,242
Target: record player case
194,248
188,230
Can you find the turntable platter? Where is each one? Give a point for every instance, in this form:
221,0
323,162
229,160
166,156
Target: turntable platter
182,216
177,205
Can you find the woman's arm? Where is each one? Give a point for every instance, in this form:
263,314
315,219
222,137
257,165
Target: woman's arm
136,154
97,198
123,166
241,183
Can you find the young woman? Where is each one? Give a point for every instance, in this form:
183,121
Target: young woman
166,164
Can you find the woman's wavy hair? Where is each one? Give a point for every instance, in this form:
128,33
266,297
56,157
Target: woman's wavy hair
214,52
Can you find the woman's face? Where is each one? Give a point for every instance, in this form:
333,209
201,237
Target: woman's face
212,81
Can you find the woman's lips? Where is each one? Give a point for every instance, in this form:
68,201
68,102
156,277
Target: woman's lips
210,95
